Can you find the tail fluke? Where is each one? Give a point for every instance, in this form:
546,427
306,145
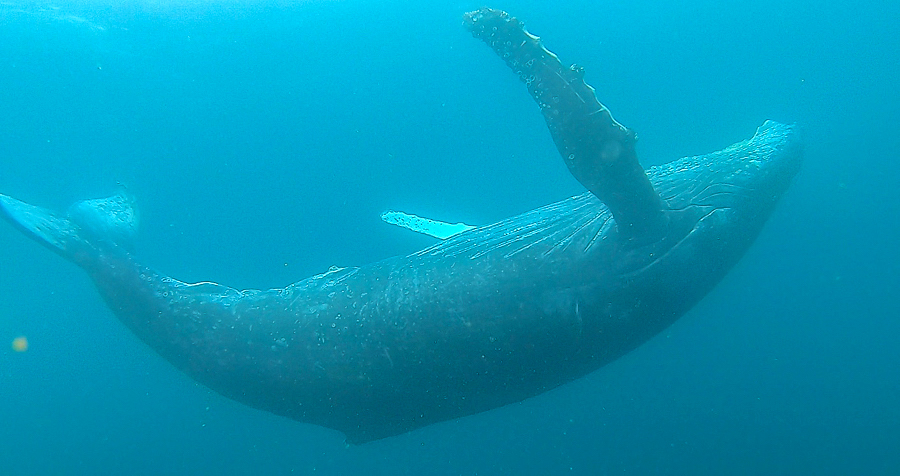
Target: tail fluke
105,224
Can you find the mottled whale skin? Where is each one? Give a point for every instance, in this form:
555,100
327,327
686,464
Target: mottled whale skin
491,316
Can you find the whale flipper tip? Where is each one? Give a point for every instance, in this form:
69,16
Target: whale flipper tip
427,226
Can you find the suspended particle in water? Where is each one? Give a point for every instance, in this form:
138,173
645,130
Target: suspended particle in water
20,344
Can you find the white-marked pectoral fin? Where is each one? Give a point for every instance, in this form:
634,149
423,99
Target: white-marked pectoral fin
437,229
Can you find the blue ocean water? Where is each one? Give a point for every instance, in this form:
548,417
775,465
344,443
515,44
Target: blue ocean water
262,140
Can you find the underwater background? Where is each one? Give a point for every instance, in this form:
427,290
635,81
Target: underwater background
263,139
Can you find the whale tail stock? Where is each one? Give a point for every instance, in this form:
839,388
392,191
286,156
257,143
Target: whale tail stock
87,229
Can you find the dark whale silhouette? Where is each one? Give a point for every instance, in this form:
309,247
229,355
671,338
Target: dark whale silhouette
487,317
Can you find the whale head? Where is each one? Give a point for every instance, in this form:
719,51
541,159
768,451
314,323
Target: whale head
746,178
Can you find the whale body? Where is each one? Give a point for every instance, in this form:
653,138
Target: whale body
490,316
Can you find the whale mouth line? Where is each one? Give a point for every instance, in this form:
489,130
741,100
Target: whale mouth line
677,244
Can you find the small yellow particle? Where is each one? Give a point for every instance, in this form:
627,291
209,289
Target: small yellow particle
20,344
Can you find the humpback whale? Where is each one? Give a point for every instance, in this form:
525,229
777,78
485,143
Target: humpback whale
489,316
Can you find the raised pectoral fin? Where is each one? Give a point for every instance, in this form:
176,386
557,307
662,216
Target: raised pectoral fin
598,151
